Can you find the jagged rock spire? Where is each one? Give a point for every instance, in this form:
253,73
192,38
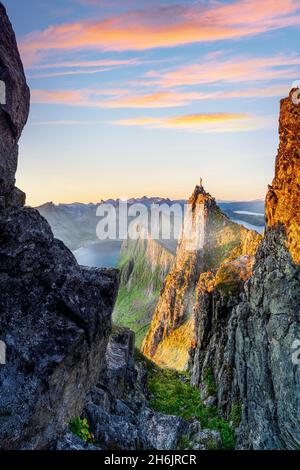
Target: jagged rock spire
283,198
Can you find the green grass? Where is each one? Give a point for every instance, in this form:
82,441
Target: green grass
132,311
171,393
80,427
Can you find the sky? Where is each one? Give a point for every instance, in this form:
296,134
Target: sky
144,97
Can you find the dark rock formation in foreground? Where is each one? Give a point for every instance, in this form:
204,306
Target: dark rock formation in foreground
55,316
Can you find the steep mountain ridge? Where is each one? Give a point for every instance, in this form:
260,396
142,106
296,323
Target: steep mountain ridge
210,240
283,201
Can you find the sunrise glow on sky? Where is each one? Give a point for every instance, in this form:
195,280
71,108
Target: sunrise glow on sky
134,97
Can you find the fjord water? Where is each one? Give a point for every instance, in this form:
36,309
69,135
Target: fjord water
103,254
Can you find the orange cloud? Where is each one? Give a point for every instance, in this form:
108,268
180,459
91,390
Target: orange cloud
203,122
153,100
68,97
166,26
85,97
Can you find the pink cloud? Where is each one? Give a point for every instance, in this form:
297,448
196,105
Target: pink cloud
166,26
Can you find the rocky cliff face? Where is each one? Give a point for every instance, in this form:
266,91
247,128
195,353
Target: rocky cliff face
144,265
243,360
268,318
283,202
13,112
55,316
210,243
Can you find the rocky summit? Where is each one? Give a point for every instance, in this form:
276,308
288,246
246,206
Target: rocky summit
211,247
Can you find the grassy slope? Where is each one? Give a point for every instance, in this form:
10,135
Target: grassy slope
171,393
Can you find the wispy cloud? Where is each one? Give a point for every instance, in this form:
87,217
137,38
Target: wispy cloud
66,73
86,64
84,67
232,70
65,122
84,97
126,98
159,99
203,122
173,99
165,26
67,97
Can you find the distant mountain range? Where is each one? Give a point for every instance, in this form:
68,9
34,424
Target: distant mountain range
75,224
